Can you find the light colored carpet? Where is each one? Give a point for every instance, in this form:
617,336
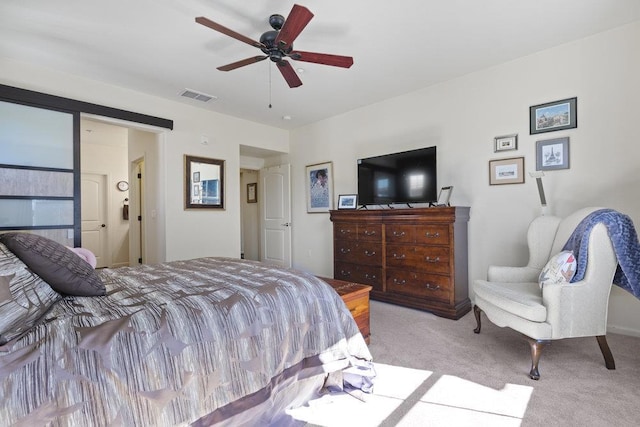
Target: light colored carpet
437,372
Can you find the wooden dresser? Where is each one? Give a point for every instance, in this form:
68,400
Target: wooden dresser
412,257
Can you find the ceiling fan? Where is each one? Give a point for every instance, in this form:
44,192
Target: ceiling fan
278,44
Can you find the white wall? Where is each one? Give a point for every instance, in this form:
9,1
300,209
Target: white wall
145,151
190,233
461,117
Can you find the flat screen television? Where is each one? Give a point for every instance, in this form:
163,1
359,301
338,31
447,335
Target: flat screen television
405,177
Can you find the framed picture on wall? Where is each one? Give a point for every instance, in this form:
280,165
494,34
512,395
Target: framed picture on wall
552,154
252,192
319,184
552,116
505,143
506,171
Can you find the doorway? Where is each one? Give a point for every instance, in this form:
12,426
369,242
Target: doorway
107,146
271,209
104,191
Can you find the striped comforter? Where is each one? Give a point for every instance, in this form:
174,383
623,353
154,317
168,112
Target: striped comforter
187,342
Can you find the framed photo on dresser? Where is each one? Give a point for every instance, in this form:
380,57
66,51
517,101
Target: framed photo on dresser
348,201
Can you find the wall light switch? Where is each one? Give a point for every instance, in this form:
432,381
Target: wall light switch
204,140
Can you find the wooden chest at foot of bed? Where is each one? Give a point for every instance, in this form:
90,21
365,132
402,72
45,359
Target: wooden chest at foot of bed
356,298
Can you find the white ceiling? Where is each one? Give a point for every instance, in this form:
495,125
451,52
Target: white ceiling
155,46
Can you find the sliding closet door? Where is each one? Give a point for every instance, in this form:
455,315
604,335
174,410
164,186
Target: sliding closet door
39,182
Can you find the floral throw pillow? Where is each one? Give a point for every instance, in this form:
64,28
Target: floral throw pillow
560,269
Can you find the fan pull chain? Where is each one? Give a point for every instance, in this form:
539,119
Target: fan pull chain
269,85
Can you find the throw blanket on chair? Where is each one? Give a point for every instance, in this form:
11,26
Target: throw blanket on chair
625,245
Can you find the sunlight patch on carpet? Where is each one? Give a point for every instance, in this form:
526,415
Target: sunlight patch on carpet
427,414
511,400
393,384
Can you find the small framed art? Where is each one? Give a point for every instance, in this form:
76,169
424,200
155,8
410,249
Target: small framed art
552,154
252,192
552,116
444,196
347,201
506,171
505,143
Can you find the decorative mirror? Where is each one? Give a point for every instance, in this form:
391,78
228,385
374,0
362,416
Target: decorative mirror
204,183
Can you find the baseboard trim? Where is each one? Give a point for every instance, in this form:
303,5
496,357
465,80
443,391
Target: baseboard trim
623,331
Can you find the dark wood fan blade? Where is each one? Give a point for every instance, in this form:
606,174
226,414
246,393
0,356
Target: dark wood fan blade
226,31
322,58
298,18
289,74
242,63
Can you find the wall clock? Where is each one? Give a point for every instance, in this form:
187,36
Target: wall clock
122,185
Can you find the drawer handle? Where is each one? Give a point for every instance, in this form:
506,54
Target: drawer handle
432,287
369,233
432,235
396,234
432,260
367,253
343,231
366,276
345,273
396,256
399,282
345,251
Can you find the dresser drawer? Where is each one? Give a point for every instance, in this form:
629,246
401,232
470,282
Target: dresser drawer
368,275
421,285
400,233
345,250
370,232
432,234
368,253
434,259
345,230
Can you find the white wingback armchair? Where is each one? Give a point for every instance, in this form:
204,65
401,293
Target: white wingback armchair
512,297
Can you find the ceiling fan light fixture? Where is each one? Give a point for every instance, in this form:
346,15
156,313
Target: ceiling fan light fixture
276,21
277,45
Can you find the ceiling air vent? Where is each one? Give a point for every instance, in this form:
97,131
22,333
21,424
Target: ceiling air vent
199,96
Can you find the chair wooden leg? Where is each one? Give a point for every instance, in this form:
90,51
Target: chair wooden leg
536,350
606,352
476,311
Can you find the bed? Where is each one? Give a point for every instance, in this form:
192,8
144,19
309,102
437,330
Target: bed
199,342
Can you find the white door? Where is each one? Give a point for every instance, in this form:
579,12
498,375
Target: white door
94,216
275,212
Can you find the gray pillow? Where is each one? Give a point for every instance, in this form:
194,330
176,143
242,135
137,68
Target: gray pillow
24,297
60,267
